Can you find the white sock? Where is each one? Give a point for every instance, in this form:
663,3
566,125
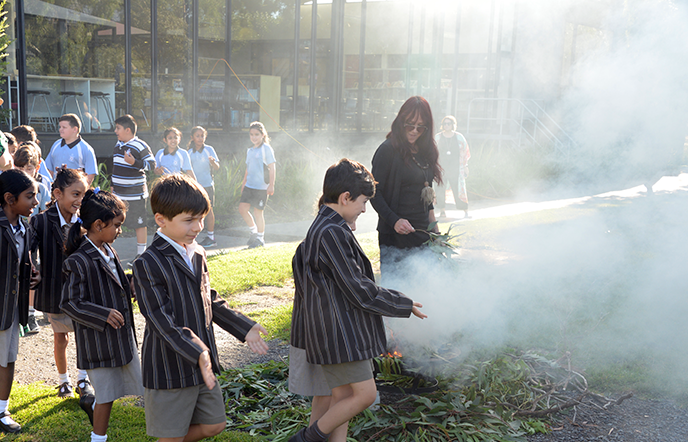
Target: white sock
63,377
211,235
97,438
4,405
32,311
81,375
140,248
93,406
261,235
253,229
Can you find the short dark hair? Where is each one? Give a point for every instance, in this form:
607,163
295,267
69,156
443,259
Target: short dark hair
26,154
24,133
96,205
15,182
127,122
72,119
178,193
347,176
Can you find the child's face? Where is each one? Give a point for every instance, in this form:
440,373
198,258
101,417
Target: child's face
69,199
172,140
30,169
109,232
123,134
256,137
199,138
353,208
66,130
183,228
26,201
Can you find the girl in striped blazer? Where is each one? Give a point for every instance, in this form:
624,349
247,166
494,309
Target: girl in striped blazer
97,296
17,198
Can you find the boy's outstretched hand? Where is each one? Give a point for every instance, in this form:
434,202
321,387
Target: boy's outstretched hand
207,370
255,341
416,310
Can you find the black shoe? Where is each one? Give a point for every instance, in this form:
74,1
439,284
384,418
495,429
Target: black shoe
86,404
252,239
65,390
298,437
32,326
257,242
207,242
12,427
84,388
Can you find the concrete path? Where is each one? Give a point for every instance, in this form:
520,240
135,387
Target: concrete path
235,238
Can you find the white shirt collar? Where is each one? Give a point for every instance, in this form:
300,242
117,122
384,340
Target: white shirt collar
21,230
62,220
186,251
107,257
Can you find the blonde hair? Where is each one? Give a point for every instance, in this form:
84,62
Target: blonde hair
257,125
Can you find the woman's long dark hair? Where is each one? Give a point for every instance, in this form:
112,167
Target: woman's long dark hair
63,179
96,205
15,182
427,148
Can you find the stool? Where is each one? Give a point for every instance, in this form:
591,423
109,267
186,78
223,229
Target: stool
47,123
103,98
66,95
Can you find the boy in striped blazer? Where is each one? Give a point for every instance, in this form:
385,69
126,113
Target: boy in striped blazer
179,357
338,308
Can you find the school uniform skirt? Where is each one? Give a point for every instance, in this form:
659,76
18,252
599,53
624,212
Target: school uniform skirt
111,383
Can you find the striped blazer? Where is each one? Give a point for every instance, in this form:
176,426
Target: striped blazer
90,291
15,274
338,308
49,242
179,307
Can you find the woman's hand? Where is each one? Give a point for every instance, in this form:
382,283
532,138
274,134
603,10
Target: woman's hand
403,227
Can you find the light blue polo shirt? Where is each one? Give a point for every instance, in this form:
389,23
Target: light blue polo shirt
76,155
173,163
201,164
254,165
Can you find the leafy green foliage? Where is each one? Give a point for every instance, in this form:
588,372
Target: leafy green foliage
102,180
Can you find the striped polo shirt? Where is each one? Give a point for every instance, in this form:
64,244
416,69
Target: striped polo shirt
129,181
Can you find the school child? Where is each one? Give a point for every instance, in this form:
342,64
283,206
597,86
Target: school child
51,229
204,162
23,134
6,151
26,158
172,159
71,151
336,277
130,160
17,199
256,187
103,318
179,356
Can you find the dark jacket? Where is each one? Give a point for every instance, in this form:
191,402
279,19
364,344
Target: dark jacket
179,307
49,242
338,308
90,291
15,274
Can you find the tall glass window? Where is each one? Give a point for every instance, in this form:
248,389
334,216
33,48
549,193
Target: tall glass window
262,58
74,56
349,111
211,110
141,99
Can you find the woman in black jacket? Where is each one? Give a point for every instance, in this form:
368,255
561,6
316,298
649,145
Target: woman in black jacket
405,165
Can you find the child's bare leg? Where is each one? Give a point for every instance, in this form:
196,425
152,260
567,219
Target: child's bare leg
60,341
6,378
244,211
320,406
197,432
101,418
210,221
260,219
347,401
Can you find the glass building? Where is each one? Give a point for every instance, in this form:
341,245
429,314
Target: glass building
310,67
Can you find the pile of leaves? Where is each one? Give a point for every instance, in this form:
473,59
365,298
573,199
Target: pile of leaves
504,398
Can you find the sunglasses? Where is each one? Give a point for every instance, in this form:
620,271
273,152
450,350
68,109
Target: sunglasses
410,127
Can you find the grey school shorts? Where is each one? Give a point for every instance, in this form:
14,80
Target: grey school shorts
169,413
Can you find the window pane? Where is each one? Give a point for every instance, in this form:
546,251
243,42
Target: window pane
141,100
348,116
74,54
212,69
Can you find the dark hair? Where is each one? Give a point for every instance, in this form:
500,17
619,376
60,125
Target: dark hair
14,181
168,131
26,154
11,140
195,129
72,119
347,176
178,193
427,149
24,133
127,122
102,206
63,179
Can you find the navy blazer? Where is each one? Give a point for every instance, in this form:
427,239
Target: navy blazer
15,274
90,291
338,307
49,242
180,308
